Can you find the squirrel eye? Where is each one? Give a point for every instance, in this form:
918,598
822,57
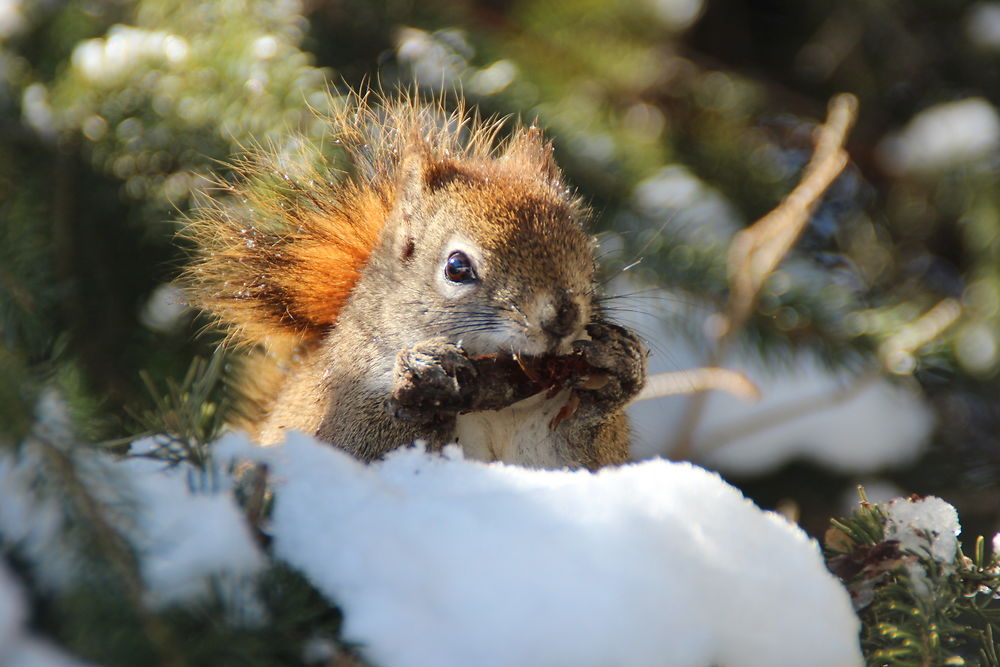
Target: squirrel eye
458,268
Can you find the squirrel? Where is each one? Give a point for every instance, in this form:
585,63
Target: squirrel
387,304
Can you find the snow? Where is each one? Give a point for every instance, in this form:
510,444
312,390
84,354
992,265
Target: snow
437,560
109,60
807,411
31,520
677,14
31,523
695,211
494,78
11,608
880,425
36,111
18,648
942,136
32,652
12,21
185,536
925,527
436,59
165,309
977,347
982,25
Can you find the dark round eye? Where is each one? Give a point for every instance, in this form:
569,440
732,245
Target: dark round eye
458,268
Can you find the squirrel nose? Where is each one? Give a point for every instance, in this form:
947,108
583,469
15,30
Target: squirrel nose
561,318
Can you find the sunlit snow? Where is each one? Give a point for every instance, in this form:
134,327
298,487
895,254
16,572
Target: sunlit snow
436,560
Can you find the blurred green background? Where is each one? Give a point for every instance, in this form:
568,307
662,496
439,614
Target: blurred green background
679,120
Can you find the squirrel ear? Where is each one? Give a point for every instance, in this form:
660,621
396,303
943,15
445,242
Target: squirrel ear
421,172
529,146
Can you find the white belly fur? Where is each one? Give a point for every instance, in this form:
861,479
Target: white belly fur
517,434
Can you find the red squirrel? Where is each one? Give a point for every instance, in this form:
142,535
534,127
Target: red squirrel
376,295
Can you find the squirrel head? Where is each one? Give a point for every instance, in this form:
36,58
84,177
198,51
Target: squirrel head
437,229
488,250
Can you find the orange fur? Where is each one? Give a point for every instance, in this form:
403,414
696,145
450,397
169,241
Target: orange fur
281,247
278,254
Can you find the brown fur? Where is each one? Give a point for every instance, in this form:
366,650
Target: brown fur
336,278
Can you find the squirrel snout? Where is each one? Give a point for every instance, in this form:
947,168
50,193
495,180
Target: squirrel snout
560,317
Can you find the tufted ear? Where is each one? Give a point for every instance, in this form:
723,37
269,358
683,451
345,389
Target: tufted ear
421,173
529,148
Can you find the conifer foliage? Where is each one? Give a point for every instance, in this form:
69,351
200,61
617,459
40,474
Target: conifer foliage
681,121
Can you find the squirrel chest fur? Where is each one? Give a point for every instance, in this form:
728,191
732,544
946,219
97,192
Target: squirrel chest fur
399,303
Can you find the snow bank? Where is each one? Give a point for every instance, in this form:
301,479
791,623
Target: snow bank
441,561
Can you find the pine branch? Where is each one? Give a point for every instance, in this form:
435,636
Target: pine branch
917,607
190,414
114,548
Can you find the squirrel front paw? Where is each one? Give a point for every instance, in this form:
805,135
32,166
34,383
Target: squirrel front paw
431,383
620,357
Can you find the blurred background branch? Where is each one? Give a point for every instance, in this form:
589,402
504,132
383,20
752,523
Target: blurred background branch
756,251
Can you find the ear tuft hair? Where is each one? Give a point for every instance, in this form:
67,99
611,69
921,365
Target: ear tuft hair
530,148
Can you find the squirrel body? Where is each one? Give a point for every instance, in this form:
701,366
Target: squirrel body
378,293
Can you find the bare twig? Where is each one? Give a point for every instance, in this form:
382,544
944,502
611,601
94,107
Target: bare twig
756,251
698,380
896,353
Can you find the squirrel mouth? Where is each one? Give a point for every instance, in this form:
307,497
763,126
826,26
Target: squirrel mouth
546,343
529,341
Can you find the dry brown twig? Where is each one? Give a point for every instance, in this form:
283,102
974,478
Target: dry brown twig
695,380
756,251
896,353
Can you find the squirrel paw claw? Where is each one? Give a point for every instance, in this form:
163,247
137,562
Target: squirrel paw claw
622,357
430,383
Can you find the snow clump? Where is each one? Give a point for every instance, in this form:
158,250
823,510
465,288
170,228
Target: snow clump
942,136
436,560
187,536
18,647
924,528
927,527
